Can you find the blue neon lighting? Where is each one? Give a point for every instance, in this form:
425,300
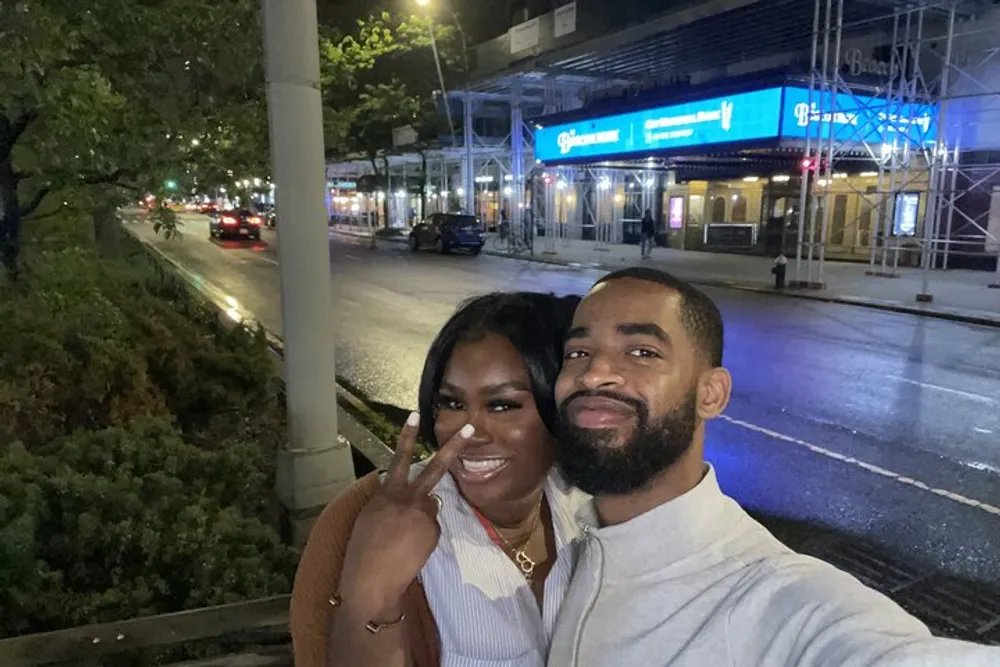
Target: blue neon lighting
720,120
760,115
857,119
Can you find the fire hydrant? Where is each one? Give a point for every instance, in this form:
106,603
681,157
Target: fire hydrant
778,270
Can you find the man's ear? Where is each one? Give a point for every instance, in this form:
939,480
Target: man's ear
714,388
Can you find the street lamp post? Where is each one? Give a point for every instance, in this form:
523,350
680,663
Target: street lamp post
440,72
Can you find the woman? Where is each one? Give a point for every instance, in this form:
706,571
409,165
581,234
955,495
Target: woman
463,560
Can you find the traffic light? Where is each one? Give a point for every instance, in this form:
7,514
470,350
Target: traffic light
171,184
809,164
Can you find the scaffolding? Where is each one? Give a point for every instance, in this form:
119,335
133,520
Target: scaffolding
926,121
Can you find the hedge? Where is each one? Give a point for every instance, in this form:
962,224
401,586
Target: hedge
137,442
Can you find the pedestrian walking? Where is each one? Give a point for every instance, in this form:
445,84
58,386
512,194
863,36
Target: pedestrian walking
647,231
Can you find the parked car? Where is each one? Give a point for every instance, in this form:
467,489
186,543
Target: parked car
448,231
240,223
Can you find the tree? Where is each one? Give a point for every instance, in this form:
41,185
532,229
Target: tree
103,100
382,76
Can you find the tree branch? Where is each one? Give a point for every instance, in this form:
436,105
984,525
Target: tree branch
43,216
35,201
10,132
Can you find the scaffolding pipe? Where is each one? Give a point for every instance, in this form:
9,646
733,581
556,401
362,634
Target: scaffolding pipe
468,166
825,226
936,179
804,190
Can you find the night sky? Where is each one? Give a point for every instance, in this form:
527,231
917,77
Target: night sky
482,19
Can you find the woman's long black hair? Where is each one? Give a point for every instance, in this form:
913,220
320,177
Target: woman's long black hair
534,323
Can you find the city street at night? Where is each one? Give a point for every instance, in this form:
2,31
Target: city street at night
876,424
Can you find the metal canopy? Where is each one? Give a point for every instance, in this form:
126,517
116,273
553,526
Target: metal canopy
711,36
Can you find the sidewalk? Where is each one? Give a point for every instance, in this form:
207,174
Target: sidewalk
962,296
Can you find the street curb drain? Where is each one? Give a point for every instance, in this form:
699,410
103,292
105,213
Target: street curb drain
949,606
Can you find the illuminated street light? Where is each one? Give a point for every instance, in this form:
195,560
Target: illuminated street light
195,142
256,182
423,3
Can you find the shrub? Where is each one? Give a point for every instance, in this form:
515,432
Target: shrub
130,521
137,442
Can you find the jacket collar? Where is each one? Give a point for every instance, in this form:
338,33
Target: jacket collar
665,535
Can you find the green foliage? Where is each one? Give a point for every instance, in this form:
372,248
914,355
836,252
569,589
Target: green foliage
137,443
129,521
382,76
102,99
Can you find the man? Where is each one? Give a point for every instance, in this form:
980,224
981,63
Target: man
672,572
647,231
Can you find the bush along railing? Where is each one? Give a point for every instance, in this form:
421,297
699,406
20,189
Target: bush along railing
250,633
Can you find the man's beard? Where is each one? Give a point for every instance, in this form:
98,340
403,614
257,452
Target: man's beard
591,460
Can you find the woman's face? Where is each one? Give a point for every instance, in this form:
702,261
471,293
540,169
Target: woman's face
486,384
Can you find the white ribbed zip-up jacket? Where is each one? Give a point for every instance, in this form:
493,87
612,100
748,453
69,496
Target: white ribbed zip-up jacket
696,582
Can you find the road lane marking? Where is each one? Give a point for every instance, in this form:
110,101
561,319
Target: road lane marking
984,431
850,460
267,259
357,259
956,392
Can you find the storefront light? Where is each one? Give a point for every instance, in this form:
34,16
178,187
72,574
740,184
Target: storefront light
400,193
869,174
508,191
781,178
840,174
821,182
751,179
604,183
461,192
561,184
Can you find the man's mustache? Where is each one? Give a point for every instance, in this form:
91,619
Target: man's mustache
638,406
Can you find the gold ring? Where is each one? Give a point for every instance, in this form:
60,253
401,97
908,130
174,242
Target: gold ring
437,500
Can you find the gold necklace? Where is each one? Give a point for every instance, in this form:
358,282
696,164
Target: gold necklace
523,561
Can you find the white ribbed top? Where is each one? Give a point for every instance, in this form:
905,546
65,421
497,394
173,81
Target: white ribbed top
486,613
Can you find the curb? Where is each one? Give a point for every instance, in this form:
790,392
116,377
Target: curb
356,433
791,293
860,302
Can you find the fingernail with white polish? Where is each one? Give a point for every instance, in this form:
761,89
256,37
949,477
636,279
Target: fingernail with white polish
467,431
413,419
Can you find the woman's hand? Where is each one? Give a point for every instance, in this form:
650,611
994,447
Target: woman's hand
397,531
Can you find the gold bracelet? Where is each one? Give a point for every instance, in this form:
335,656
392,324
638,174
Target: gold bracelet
371,626
376,628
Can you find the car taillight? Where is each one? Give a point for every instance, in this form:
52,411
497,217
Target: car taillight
228,220
254,220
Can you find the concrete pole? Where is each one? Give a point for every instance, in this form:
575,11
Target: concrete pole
314,465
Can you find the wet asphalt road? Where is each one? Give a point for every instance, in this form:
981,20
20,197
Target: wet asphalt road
882,425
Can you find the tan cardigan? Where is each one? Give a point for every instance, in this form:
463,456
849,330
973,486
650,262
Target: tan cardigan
318,578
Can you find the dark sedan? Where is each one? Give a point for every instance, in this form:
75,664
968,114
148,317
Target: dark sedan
448,231
242,223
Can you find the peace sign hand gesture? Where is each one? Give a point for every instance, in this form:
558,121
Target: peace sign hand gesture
397,530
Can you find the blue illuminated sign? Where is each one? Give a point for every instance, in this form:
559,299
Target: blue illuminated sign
856,119
721,120
760,115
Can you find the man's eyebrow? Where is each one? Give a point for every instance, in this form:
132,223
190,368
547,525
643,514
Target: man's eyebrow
644,329
577,332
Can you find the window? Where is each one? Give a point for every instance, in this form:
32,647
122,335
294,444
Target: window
719,209
739,208
839,220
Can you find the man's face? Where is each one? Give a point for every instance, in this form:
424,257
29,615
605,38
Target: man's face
627,393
